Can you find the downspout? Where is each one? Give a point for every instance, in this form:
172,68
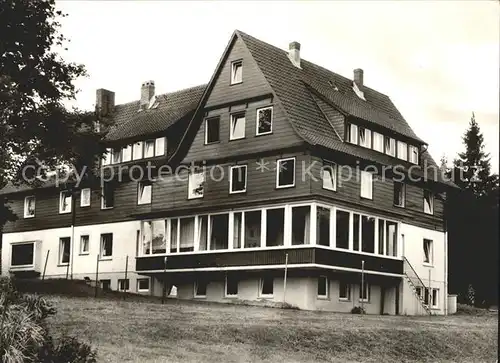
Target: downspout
445,268
73,217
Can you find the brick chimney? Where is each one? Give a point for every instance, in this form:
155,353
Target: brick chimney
358,77
147,92
294,53
105,101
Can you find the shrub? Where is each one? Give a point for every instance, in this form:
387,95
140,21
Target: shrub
358,310
24,336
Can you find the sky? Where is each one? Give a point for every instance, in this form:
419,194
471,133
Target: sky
438,61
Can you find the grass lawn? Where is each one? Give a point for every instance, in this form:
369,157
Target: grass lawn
142,331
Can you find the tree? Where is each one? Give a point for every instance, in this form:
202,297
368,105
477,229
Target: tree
472,216
35,82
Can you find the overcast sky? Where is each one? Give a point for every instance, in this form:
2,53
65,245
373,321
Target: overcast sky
437,60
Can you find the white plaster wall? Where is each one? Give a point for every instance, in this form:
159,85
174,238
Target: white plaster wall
433,275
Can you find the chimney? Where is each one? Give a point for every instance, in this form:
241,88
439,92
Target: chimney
147,92
358,77
105,101
294,53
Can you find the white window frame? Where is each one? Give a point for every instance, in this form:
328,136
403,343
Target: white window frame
61,251
20,267
235,116
82,204
329,165
196,290
140,188
139,284
257,121
225,289
327,290
376,135
82,251
115,151
431,202
413,151
368,137
107,156
403,192
235,64
434,302
400,146
353,133
349,291
126,150
103,200
261,286
191,181
125,282
26,206
231,191
70,204
366,177
137,147
278,168
146,142
392,143
207,120
160,144
431,252
101,246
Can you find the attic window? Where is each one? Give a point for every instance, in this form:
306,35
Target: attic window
236,72
332,84
358,92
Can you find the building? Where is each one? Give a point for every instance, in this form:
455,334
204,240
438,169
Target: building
292,184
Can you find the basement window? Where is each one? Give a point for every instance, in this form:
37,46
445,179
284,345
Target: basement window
264,121
231,288
236,72
238,181
323,287
344,290
65,202
285,172
428,251
142,285
266,287
200,288
23,255
123,284
64,250
237,130
29,206
105,284
428,202
212,130
364,292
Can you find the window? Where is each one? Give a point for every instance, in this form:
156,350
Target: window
137,151
428,251
399,194
428,202
352,134
160,146
212,130
264,121
356,231
105,284
106,157
219,232
367,234
106,245
127,153
200,288
153,237
196,182
323,226
64,250
364,292
378,142
144,193
366,185
390,146
149,148
186,234
84,244
85,197
391,238
142,285
238,181
237,72
342,229
329,175
344,290
123,284
108,196
252,228
413,154
323,287
231,289
435,298
117,156
174,227
285,171
365,137
402,150
65,202
23,254
301,225
29,206
237,130
238,231
275,227
266,286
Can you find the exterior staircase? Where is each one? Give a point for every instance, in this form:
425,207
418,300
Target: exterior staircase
414,281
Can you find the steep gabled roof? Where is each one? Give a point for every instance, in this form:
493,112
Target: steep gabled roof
129,122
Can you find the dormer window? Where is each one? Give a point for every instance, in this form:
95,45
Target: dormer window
402,150
127,153
236,72
106,158
117,155
137,153
413,154
352,134
149,148
390,146
378,142
160,146
365,137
